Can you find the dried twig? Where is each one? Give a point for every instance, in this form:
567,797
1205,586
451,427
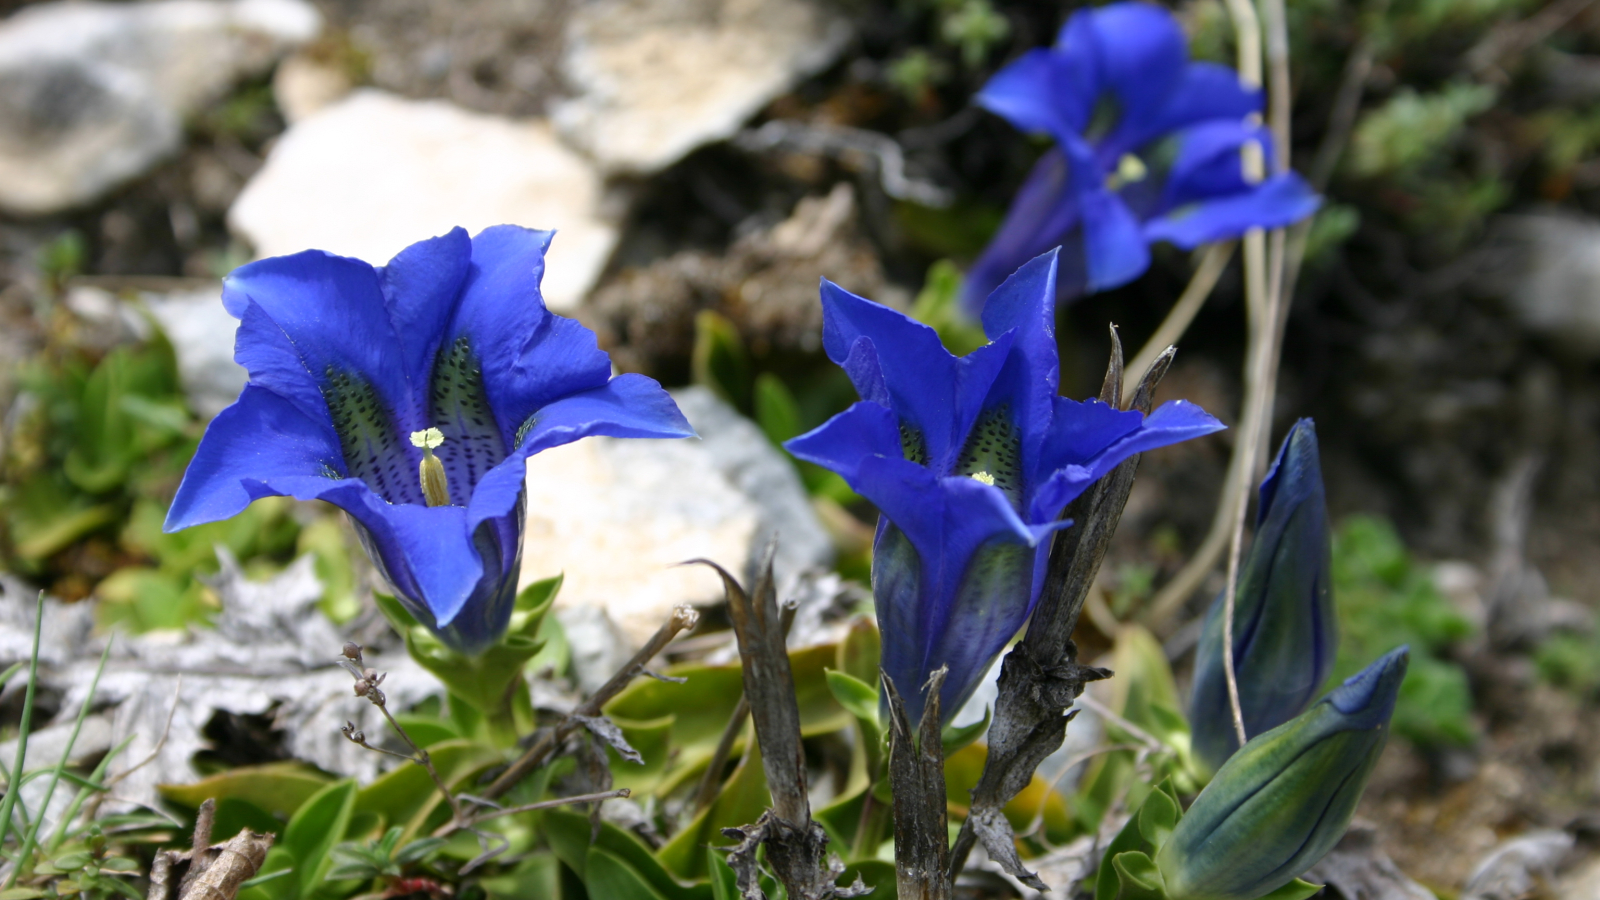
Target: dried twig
237,861
683,618
495,811
706,792
916,778
1041,677
367,685
796,845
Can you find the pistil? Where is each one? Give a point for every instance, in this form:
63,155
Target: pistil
435,486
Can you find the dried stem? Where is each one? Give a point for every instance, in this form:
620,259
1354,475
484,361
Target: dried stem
706,792
367,685
682,619
916,779
496,811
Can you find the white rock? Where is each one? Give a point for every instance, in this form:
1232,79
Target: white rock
93,94
1556,290
303,85
376,173
202,333
616,516
658,78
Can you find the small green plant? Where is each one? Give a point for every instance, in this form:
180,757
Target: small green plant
1385,598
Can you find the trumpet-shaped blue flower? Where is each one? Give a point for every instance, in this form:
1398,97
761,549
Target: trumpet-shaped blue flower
410,396
970,460
1285,633
1281,803
1147,148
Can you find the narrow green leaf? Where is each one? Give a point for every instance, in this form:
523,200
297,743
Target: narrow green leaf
775,408
855,695
955,737
1298,889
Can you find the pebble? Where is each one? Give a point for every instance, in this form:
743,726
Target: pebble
93,95
657,78
374,173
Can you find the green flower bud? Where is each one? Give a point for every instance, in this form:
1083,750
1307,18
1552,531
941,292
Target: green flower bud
1282,801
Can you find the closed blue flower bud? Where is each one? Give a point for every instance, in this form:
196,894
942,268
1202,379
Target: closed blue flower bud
1284,630
1281,803
970,460
411,396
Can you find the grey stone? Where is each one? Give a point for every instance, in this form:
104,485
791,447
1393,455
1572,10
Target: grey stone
616,516
202,334
94,94
658,78
1359,869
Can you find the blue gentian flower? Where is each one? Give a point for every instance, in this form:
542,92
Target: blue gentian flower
1285,633
970,460
1278,805
1147,148
410,396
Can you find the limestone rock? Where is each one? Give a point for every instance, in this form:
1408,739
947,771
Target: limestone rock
1554,286
616,516
201,332
658,78
94,94
374,173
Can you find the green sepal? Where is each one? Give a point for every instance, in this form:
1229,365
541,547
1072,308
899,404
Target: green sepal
1298,889
484,681
1158,816
1137,875
859,698
1132,838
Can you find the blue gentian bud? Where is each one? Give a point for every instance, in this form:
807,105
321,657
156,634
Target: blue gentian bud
1284,631
1278,805
411,396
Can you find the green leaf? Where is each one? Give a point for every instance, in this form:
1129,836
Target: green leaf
485,680
1138,876
406,796
608,876
1157,817
1298,889
719,360
776,410
724,884
860,652
568,834
279,788
537,877
741,801
70,862
939,305
418,850
855,695
955,737
311,835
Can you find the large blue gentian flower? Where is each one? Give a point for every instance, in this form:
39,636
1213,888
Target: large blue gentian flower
971,461
1147,148
348,363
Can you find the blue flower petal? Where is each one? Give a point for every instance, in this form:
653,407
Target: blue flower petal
258,440
931,391
1025,307
1210,162
945,520
420,287
1114,246
1142,53
1275,203
1043,212
1089,439
328,313
843,442
1034,94
1204,91
528,355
